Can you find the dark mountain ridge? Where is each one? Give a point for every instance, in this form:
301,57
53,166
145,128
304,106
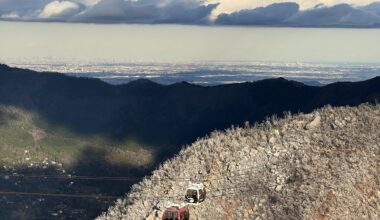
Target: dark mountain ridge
167,115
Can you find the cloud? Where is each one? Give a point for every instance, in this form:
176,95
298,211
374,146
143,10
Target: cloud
180,12
89,2
118,11
374,8
28,9
276,13
342,15
59,10
147,11
19,5
109,11
288,14
221,12
229,6
22,8
12,15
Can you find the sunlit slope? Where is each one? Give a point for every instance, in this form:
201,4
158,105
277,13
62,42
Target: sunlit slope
309,166
27,139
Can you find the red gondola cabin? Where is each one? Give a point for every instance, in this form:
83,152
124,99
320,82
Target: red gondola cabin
176,213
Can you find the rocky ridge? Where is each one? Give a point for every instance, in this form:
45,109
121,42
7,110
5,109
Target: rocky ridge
323,165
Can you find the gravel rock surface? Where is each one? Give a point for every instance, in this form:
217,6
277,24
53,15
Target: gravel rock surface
323,165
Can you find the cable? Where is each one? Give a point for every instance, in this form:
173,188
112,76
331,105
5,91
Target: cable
58,195
93,177
74,177
228,190
105,197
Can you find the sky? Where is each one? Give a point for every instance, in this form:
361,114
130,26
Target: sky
214,30
185,43
306,13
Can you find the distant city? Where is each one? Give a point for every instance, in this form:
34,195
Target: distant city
204,73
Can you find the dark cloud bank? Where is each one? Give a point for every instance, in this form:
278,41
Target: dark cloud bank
288,14
189,12
109,11
146,11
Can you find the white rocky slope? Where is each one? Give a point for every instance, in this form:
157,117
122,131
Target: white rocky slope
323,165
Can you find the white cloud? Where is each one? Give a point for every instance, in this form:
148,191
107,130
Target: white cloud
12,15
59,9
89,2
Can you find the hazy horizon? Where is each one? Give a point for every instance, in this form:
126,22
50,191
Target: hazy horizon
186,43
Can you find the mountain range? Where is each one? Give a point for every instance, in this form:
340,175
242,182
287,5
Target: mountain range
92,128
157,115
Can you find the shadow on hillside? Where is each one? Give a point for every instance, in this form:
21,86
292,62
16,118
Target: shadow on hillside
94,162
91,169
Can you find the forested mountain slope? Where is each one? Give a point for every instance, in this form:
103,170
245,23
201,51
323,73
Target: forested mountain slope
164,117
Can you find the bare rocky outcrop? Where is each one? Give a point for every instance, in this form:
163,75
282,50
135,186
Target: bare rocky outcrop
323,165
